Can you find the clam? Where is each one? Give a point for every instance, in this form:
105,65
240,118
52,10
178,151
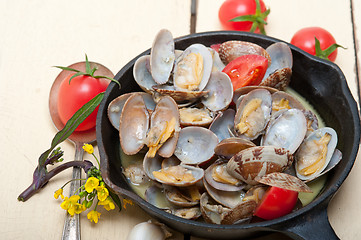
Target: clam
279,72
229,147
179,175
315,153
244,90
142,75
195,145
287,130
218,65
149,230
133,124
282,100
187,213
115,107
230,50
179,95
162,56
220,92
182,197
193,116
253,114
164,128
193,68
223,123
229,199
258,161
312,121
135,173
217,176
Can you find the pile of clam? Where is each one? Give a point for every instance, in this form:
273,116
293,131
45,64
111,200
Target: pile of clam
208,150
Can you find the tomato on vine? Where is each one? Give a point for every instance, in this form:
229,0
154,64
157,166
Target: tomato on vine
316,41
244,15
76,90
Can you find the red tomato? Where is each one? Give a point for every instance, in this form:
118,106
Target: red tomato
74,95
234,8
246,70
276,202
305,39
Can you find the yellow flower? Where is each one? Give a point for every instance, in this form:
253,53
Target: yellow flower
91,183
107,204
70,204
125,202
88,148
102,192
79,208
93,216
58,193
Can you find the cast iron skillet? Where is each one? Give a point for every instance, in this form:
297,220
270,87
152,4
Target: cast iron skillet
325,87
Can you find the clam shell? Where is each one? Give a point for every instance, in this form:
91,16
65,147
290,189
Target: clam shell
187,213
231,50
179,68
279,72
259,123
115,107
244,90
287,130
197,173
229,147
212,212
141,74
331,146
165,110
178,95
292,102
223,123
178,198
218,65
195,145
133,124
219,185
285,181
155,196
151,164
227,198
220,92
192,116
258,161
162,56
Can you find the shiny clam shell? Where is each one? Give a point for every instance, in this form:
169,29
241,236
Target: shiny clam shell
162,56
223,123
304,157
195,145
183,76
133,124
142,75
287,130
229,147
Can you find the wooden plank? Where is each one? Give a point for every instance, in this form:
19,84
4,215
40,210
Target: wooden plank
37,35
285,19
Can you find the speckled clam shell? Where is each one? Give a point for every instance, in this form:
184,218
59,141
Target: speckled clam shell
279,79
162,56
285,181
258,161
231,50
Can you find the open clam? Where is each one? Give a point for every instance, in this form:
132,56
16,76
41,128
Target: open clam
315,153
253,114
223,124
229,147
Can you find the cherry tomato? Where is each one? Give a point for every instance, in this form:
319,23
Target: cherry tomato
246,70
276,202
305,39
235,8
73,96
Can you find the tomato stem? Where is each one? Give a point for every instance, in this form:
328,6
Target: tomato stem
325,53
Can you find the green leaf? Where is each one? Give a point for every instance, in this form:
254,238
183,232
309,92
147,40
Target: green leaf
116,199
78,74
111,79
78,117
325,53
87,65
67,69
243,18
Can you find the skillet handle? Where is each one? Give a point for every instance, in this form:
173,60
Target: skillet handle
313,225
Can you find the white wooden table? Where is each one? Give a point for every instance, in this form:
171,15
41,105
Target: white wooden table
36,35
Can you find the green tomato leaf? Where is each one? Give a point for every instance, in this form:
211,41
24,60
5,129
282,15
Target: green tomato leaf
244,18
87,65
67,69
325,53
